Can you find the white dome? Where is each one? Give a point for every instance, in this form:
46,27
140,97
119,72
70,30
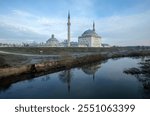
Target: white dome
90,69
90,33
52,41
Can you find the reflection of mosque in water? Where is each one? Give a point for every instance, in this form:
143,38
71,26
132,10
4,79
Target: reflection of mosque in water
67,75
91,69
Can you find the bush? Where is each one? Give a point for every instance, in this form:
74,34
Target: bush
3,62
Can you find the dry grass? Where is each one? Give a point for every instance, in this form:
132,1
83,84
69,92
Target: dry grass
59,50
7,60
3,62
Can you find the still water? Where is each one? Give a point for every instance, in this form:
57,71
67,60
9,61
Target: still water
96,81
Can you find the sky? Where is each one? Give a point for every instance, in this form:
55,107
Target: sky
118,22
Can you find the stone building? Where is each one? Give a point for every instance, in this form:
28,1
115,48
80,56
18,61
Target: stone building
89,38
52,42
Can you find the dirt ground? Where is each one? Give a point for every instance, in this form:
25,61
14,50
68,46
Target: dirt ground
9,60
22,56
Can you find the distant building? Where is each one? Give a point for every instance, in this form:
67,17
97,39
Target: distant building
105,45
33,44
52,42
73,44
64,43
89,39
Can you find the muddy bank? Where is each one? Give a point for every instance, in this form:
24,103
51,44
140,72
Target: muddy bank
8,60
9,75
65,62
49,66
6,83
59,50
27,72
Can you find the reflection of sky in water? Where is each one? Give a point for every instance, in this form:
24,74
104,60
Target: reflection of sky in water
108,81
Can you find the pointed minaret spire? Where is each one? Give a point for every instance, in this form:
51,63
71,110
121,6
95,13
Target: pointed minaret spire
68,14
68,24
93,26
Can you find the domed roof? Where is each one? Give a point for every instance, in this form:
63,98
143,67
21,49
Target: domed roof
90,33
90,69
52,39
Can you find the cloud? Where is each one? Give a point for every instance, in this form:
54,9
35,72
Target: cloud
21,13
125,30
130,29
20,29
31,26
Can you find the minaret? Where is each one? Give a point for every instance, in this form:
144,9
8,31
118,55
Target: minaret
93,26
68,24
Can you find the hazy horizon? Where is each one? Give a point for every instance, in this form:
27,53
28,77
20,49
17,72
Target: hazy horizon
119,22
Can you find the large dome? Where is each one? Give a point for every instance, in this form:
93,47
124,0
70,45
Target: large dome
52,39
90,33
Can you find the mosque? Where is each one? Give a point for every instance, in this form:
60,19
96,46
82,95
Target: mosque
90,70
52,42
88,39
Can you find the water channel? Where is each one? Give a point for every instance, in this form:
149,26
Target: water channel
103,80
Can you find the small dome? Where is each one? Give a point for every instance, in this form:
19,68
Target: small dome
53,42
52,39
90,33
90,69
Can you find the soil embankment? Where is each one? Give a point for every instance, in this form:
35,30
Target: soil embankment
12,65
49,66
